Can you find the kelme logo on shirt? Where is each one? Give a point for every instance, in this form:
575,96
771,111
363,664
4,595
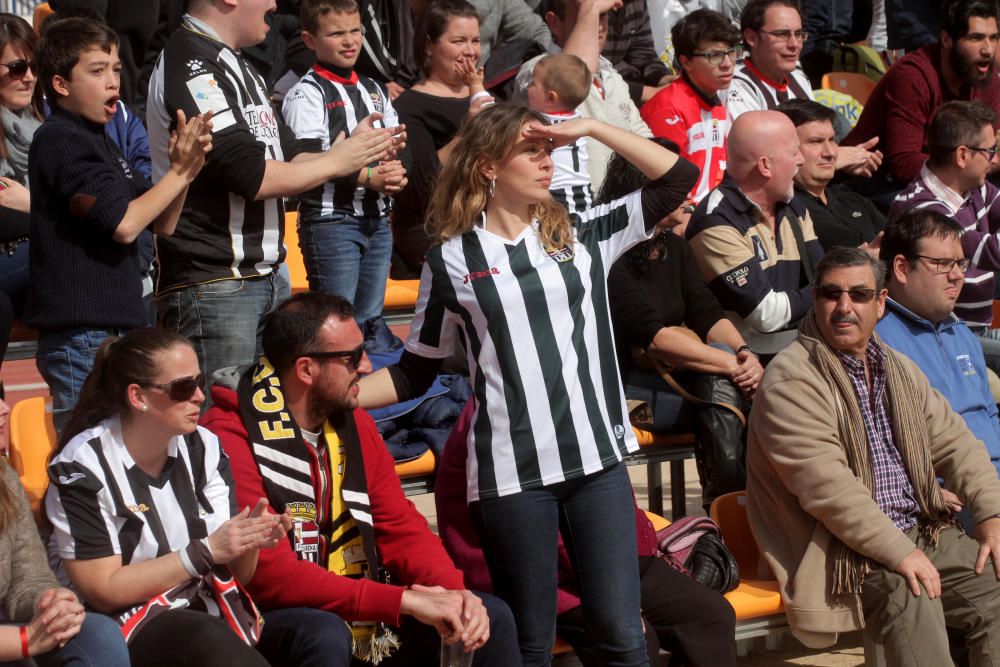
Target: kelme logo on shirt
563,254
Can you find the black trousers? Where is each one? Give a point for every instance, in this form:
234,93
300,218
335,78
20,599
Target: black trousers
693,622
188,638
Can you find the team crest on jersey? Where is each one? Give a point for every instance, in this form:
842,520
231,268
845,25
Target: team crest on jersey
305,533
377,102
563,254
758,249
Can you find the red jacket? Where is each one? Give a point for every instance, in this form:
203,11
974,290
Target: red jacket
408,548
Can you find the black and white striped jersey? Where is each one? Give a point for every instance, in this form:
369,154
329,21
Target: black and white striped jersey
537,330
570,184
101,503
318,108
223,232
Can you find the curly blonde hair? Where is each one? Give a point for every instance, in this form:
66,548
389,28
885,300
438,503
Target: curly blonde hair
460,194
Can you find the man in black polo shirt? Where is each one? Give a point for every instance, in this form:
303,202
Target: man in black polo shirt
839,216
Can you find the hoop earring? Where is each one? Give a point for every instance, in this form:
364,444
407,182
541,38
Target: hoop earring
493,186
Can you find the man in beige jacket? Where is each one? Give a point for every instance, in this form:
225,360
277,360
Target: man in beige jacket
846,440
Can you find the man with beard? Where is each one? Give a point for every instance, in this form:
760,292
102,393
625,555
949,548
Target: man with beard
922,251
753,241
358,552
962,144
840,216
846,443
899,110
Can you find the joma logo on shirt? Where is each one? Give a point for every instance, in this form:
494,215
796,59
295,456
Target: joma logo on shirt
476,275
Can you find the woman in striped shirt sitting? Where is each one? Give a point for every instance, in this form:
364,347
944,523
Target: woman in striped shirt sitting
143,509
523,289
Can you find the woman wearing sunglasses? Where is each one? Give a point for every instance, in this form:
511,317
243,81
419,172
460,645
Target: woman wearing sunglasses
143,514
20,115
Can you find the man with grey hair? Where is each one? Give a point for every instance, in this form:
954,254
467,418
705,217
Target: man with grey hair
753,241
846,442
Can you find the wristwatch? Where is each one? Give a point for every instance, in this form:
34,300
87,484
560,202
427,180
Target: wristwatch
745,347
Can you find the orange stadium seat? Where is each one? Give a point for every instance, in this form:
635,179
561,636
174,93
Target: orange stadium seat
32,441
858,86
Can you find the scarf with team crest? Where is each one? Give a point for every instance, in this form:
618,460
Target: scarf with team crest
340,537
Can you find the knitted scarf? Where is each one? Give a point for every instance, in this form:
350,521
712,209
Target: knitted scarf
19,128
285,463
910,432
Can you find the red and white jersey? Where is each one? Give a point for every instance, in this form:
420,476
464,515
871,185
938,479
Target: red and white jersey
697,124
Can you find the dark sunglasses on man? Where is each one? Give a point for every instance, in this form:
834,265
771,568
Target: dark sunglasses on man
855,294
352,357
181,389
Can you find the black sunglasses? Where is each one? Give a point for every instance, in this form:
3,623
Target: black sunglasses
353,357
18,68
856,294
181,389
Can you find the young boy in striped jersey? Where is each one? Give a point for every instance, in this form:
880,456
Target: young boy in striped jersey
559,84
343,224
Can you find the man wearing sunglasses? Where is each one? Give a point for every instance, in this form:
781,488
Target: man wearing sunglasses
922,251
846,443
962,147
359,552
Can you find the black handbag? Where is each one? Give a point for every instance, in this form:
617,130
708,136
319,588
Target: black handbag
693,545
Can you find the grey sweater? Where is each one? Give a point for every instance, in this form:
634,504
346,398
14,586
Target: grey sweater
24,569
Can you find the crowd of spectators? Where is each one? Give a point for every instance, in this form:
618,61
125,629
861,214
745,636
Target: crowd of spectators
589,222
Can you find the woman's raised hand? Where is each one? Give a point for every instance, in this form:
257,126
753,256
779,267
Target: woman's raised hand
189,144
58,617
245,532
560,134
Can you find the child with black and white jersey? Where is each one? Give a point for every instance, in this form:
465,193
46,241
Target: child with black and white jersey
344,227
559,84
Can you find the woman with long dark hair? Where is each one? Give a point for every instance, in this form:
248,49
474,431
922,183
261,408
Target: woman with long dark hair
523,286
21,112
663,313
143,513
446,46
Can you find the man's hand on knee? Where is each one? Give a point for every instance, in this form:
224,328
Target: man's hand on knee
918,570
476,619
438,607
988,534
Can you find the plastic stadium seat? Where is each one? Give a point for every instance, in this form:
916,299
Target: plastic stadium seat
293,254
32,441
42,12
858,86
401,294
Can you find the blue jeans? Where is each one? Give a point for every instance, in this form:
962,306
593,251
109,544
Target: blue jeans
14,275
65,359
224,319
596,517
349,256
99,644
305,637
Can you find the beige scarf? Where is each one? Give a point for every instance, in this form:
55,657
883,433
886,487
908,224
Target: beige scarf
910,433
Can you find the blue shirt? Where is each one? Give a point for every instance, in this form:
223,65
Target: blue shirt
952,359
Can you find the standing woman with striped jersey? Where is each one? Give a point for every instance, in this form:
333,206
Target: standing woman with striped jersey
522,285
142,505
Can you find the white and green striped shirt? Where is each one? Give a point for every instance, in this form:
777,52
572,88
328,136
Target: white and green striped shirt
537,331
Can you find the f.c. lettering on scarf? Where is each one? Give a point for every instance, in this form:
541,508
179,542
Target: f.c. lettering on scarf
290,469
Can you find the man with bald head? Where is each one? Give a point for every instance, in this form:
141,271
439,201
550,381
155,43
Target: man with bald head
753,241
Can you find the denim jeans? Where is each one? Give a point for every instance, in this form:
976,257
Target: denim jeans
223,319
64,359
305,637
349,256
596,517
99,644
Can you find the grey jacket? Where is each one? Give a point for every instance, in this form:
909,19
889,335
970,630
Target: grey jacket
502,21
